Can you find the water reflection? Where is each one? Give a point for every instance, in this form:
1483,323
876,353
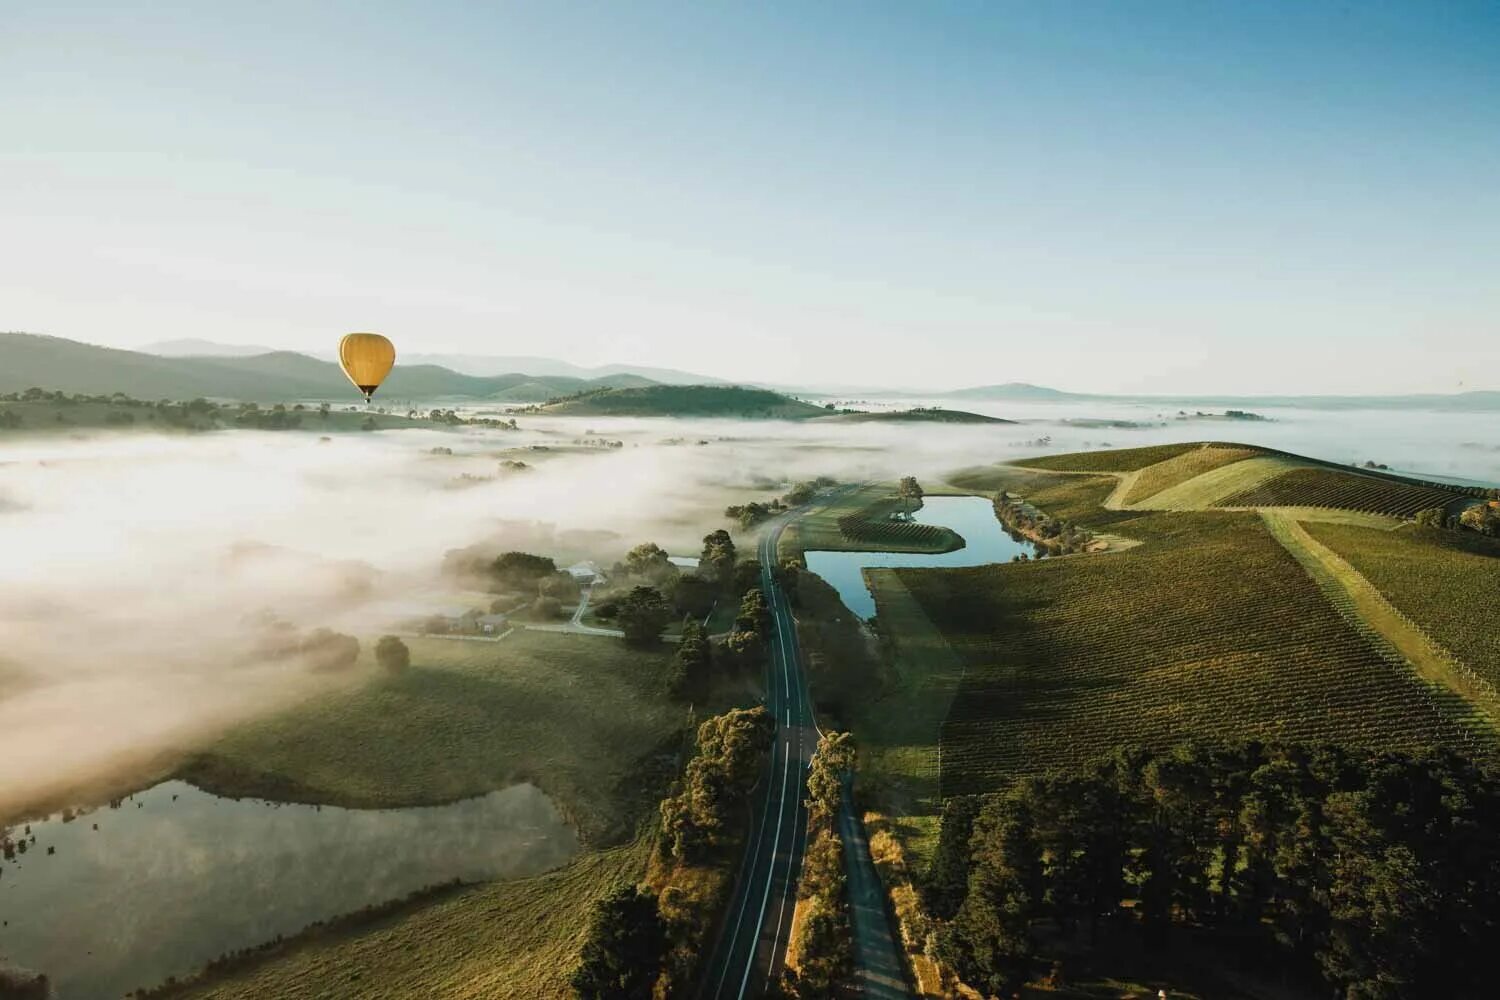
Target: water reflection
123,897
972,517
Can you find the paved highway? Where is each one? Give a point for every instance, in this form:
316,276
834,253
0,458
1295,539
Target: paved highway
751,950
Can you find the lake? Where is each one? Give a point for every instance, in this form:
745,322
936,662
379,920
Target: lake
173,876
985,541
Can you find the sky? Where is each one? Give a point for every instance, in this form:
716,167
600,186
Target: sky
1136,197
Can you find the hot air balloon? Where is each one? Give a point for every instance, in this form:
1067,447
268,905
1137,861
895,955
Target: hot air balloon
367,359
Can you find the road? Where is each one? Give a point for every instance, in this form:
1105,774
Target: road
751,950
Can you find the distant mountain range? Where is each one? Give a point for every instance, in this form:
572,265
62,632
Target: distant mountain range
479,365
1480,400
186,368
28,360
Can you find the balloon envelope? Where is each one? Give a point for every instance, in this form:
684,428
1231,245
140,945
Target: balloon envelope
367,359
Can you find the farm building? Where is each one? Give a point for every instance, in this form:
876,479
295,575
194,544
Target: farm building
586,573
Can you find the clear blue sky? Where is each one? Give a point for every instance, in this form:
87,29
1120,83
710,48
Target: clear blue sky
1150,196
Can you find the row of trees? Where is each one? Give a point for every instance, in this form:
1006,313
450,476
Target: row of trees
637,944
825,941
1482,518
750,514
1051,536
1376,873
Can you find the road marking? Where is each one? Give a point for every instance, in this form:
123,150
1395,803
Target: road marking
786,773
754,856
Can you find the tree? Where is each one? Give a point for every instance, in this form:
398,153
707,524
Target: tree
746,576
725,765
693,595
693,662
521,570
831,763
717,560
624,947
392,655
1432,517
649,561
642,614
325,649
910,492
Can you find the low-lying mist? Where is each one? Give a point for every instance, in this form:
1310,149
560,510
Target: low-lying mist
141,571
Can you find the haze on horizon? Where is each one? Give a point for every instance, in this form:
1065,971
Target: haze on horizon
1166,198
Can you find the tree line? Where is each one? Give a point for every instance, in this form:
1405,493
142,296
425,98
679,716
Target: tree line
1373,873
635,947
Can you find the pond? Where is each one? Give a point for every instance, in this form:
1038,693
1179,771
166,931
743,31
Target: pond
972,517
172,877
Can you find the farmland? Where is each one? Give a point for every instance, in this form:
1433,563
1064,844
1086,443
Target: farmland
516,938
1316,487
1116,460
1211,629
1446,582
859,519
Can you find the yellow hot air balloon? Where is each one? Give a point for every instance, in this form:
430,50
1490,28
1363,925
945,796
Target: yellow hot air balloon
367,358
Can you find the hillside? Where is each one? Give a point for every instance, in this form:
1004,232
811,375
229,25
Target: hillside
54,363
931,415
729,401
1215,474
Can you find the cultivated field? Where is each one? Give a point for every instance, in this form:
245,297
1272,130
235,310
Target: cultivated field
858,520
1448,583
1115,460
505,939
1314,487
1211,629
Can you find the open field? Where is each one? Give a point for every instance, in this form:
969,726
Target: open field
1211,629
1447,582
576,715
505,939
900,727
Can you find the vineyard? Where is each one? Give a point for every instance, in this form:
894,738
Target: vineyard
886,531
1117,460
1153,479
1210,630
1317,487
1447,583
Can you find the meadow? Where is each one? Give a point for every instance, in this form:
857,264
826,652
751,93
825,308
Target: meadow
576,715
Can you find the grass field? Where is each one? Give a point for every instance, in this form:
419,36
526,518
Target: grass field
1180,468
1447,582
577,715
1211,629
506,939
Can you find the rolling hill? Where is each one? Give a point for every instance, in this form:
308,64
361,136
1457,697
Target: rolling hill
28,360
729,401
919,415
